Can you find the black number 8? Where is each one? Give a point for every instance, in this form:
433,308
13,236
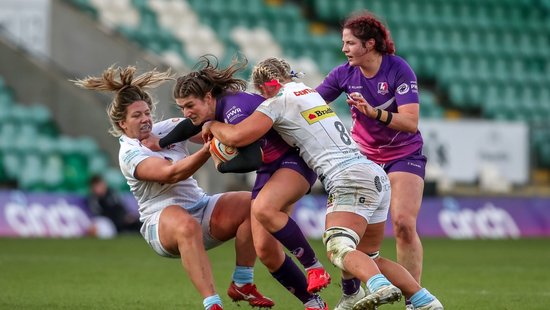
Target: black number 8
343,132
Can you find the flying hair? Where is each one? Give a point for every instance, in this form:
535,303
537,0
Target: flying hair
128,89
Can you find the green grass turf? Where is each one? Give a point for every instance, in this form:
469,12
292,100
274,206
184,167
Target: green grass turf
123,273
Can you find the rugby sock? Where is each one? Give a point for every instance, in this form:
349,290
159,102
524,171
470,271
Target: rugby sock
293,279
350,286
421,298
293,239
211,300
243,275
376,282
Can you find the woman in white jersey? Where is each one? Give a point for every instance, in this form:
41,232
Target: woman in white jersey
359,189
179,218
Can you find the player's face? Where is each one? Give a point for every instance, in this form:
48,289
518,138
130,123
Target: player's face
196,109
354,49
138,122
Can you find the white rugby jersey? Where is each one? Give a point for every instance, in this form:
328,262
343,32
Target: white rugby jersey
303,119
154,196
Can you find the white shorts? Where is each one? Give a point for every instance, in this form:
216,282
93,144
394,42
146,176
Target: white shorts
364,190
201,211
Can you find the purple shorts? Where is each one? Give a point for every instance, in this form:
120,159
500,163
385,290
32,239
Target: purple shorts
290,160
414,163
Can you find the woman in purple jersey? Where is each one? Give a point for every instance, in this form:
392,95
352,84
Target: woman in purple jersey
211,93
383,97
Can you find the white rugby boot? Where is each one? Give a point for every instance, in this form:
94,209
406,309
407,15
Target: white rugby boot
387,294
434,305
346,302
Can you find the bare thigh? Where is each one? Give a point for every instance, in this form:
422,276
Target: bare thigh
231,210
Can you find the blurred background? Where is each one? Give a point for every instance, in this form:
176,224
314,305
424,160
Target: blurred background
484,77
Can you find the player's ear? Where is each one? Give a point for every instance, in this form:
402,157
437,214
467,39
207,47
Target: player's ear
208,96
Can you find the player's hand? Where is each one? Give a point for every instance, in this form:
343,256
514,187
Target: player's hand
205,149
206,133
215,158
356,99
152,143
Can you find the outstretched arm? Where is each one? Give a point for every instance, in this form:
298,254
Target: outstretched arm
184,130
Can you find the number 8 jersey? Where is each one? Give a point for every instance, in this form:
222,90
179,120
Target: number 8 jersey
303,119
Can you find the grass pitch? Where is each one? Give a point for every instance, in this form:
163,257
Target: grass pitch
124,273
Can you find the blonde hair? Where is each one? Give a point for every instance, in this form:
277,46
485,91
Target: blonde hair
127,90
271,69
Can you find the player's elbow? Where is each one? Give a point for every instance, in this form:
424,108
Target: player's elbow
231,140
411,129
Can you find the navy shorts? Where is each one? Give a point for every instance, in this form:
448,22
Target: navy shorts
290,160
414,163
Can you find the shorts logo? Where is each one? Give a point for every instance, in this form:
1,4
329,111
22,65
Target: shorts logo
318,113
377,183
403,89
362,199
383,88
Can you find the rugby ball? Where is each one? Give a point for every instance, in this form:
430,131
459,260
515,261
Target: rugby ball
222,151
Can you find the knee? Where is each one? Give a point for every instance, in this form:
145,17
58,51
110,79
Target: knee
188,228
404,228
339,242
264,214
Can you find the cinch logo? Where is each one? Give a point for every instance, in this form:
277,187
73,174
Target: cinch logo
304,92
318,113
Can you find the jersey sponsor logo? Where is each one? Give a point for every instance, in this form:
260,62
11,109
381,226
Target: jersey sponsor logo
383,88
233,113
316,114
304,92
403,89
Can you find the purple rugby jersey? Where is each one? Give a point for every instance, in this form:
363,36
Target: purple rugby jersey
234,108
393,85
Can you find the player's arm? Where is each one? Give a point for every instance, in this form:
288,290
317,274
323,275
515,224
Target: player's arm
184,130
244,133
156,169
405,119
248,159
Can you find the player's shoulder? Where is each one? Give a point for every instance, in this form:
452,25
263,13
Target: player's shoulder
161,128
395,62
243,96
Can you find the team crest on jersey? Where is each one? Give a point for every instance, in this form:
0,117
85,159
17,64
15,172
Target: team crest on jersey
318,113
383,88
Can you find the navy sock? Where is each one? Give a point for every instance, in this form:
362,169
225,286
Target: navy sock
350,286
293,279
292,238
